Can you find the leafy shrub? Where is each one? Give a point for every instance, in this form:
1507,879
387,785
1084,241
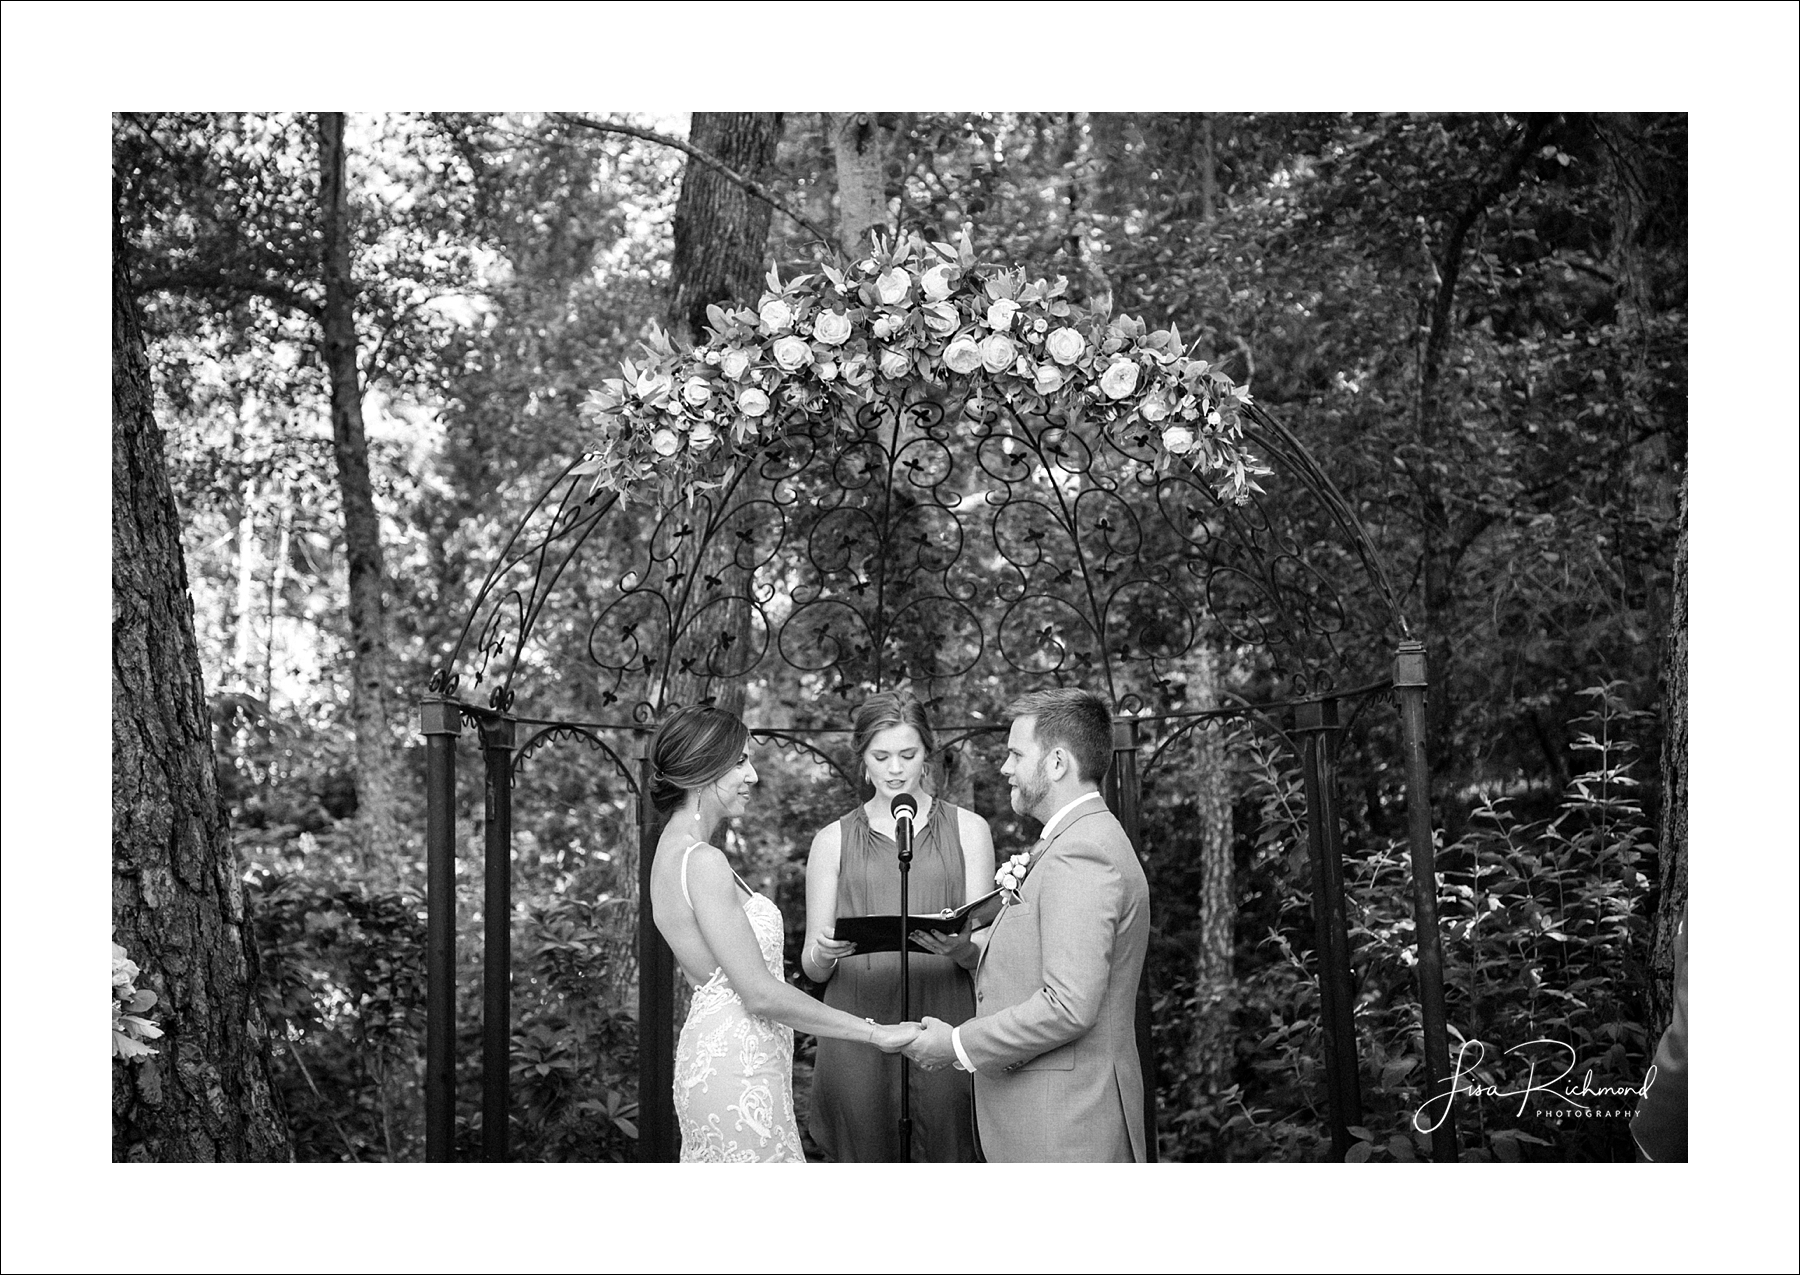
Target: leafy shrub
1544,932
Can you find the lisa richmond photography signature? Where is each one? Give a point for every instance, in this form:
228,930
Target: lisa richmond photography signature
1554,1096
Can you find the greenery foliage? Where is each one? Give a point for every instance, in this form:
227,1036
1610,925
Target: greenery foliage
1545,925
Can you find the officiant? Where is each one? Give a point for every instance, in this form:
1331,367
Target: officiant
853,870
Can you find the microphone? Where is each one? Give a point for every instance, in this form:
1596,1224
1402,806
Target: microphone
905,808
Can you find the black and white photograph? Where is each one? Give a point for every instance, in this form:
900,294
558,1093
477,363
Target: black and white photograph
1154,632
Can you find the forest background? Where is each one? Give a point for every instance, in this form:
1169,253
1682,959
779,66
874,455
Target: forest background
319,776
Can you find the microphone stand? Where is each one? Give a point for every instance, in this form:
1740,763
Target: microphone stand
904,809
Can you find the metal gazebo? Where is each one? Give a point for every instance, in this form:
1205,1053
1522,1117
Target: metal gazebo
930,540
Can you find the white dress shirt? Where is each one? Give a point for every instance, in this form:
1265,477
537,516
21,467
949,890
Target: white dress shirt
962,1059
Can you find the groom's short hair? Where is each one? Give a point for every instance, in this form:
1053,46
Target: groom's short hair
1077,720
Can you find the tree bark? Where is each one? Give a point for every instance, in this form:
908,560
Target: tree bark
377,763
1211,1048
1672,844
721,232
859,147
178,906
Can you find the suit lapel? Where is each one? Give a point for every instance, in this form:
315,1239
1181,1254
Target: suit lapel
1038,852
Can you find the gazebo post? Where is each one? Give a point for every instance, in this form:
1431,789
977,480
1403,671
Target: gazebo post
440,723
1410,682
498,736
1124,793
659,1140
1316,722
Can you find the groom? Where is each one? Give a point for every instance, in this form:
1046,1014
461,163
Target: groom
1052,1043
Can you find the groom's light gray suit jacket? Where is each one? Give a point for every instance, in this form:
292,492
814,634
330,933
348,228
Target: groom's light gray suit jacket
1053,1040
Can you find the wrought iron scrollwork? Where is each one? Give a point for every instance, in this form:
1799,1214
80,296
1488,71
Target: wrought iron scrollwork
921,541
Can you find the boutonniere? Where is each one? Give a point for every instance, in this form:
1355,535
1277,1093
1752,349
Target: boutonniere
1012,874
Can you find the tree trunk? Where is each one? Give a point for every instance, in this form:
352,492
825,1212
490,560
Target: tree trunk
1626,182
1082,161
859,147
1673,840
1438,536
1209,170
178,905
721,241
245,636
1211,1049
377,763
721,233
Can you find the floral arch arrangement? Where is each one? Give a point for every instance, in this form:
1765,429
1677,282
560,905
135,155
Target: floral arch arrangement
919,313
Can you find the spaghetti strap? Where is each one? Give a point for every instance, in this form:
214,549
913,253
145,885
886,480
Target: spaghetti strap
684,862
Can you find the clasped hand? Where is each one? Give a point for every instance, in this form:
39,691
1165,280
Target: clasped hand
891,1038
932,1047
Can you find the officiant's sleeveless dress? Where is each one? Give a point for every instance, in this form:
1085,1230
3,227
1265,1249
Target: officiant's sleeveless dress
855,1109
734,1071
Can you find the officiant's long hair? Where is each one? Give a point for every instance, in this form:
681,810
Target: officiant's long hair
896,708
691,749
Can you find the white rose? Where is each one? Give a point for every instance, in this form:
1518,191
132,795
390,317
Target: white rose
827,370
884,327
1212,417
651,385
696,391
1154,408
963,355
734,363
832,328
701,436
940,318
935,283
666,442
998,353
892,286
792,354
1040,325
1178,440
752,401
1065,345
1120,379
776,315
1048,378
894,364
1000,315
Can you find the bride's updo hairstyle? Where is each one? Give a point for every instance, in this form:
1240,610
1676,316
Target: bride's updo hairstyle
691,749
894,708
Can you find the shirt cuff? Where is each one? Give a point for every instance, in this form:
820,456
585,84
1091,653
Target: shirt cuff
962,1059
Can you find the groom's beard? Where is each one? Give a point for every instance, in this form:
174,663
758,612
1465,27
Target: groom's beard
1030,793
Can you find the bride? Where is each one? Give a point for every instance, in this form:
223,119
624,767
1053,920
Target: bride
734,1083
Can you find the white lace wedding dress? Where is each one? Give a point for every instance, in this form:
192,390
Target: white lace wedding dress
734,1071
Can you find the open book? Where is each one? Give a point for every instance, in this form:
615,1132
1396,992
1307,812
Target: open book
882,933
